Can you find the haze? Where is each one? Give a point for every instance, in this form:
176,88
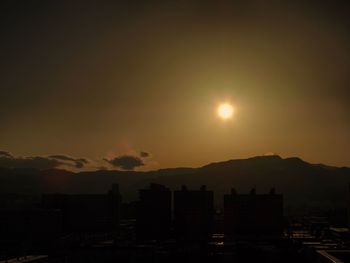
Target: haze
105,79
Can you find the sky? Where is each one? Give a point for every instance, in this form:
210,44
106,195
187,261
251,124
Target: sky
102,81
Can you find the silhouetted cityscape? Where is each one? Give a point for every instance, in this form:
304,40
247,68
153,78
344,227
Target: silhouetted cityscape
175,131
166,226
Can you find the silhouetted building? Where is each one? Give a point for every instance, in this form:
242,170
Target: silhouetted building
129,210
253,214
87,212
193,214
153,220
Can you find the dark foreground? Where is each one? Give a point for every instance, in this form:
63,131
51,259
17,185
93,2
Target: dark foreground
165,226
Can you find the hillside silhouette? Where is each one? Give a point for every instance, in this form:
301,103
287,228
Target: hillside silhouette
301,183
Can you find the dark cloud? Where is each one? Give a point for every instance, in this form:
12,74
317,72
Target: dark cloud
78,163
62,157
54,161
6,154
41,163
83,160
126,162
144,154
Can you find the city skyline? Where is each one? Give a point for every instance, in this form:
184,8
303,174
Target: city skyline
175,131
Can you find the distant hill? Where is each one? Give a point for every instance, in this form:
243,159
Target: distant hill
301,183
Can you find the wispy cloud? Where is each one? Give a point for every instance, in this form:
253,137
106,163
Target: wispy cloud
40,162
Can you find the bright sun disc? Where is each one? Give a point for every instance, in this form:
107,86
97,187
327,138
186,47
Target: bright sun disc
225,111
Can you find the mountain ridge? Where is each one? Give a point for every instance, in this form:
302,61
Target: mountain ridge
300,181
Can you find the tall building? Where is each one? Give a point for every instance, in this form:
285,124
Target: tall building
87,212
252,215
193,214
153,220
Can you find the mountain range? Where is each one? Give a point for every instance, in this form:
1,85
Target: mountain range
301,183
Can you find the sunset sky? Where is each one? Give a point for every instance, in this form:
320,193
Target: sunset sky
102,79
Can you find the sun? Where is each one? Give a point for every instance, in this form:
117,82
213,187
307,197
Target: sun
225,111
